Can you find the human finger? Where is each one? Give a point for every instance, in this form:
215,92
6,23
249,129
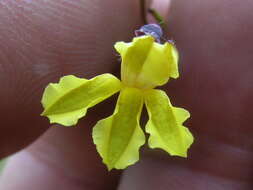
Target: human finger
215,86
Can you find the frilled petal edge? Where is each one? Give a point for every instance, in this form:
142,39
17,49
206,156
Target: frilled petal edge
119,137
67,101
165,124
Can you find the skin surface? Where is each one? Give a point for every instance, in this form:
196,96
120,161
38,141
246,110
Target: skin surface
40,41
43,40
214,39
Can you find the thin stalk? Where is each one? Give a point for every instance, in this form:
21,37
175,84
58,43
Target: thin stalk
159,19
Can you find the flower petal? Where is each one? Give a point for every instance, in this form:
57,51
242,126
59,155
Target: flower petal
165,124
173,57
68,101
146,64
119,137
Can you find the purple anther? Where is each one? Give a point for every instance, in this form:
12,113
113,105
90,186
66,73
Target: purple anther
150,29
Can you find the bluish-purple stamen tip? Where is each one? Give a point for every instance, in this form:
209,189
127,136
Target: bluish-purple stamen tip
151,29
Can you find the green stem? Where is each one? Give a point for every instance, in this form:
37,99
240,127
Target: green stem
159,19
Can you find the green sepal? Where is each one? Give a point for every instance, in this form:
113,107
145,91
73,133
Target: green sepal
147,64
165,124
119,137
67,101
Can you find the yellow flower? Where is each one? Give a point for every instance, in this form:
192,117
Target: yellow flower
146,64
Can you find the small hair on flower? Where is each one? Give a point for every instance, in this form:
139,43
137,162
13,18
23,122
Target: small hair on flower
146,64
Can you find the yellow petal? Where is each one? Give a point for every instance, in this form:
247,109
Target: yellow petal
119,137
165,124
147,64
67,101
